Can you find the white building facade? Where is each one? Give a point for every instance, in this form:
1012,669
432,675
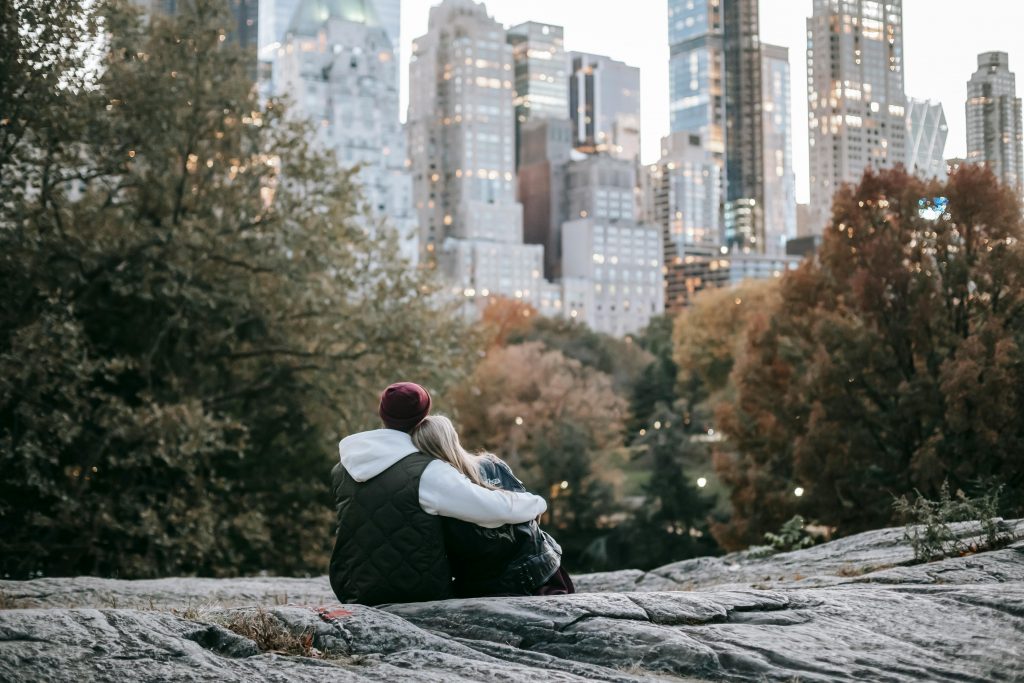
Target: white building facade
611,264
612,274
337,67
461,127
926,138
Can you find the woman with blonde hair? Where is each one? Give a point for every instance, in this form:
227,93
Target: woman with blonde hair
518,559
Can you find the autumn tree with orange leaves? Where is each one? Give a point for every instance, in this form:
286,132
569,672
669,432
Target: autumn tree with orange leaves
894,362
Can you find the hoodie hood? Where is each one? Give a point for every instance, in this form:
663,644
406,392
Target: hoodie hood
367,454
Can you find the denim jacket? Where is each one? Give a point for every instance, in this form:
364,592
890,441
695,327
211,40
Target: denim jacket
514,559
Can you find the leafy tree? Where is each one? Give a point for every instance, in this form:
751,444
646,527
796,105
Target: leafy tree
558,424
670,523
620,359
708,338
656,383
503,318
893,362
192,306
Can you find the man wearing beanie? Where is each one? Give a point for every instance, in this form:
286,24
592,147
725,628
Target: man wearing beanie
390,500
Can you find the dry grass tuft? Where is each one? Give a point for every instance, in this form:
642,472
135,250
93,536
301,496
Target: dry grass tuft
8,601
270,635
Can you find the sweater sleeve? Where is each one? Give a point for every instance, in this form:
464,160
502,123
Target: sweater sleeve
445,491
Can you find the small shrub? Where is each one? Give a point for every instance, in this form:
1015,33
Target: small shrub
757,552
928,522
792,536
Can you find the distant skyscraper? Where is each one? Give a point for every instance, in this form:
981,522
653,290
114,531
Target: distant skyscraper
685,186
744,137
611,265
715,92
856,100
696,93
684,200
604,103
612,273
545,148
779,179
926,138
276,16
541,82
337,66
994,131
462,145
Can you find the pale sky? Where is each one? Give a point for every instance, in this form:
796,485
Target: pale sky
941,41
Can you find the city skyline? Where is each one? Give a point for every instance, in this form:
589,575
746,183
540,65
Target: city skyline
937,67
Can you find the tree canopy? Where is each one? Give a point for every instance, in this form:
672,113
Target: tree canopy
193,306
892,363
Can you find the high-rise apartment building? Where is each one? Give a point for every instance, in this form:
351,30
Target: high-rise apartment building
462,145
545,147
600,186
715,93
685,194
696,91
611,264
684,199
275,17
994,132
779,178
612,274
855,92
541,79
337,66
744,137
926,138
604,104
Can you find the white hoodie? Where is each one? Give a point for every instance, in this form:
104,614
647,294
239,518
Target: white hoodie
443,489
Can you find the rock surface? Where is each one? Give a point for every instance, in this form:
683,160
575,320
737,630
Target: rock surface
853,609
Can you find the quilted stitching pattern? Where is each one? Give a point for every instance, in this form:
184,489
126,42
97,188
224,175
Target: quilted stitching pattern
387,548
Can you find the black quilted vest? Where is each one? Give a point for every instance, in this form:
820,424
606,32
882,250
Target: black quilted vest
388,549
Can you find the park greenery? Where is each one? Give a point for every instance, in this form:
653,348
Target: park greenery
195,306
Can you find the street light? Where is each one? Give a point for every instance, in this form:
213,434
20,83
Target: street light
702,482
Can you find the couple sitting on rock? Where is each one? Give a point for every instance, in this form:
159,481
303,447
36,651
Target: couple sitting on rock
420,518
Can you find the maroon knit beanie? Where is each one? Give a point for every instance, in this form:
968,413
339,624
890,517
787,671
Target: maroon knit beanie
403,405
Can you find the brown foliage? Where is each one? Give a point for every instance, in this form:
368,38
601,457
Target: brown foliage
893,362
504,317
551,418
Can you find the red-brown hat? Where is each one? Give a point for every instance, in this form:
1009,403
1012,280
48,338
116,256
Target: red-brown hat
403,405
